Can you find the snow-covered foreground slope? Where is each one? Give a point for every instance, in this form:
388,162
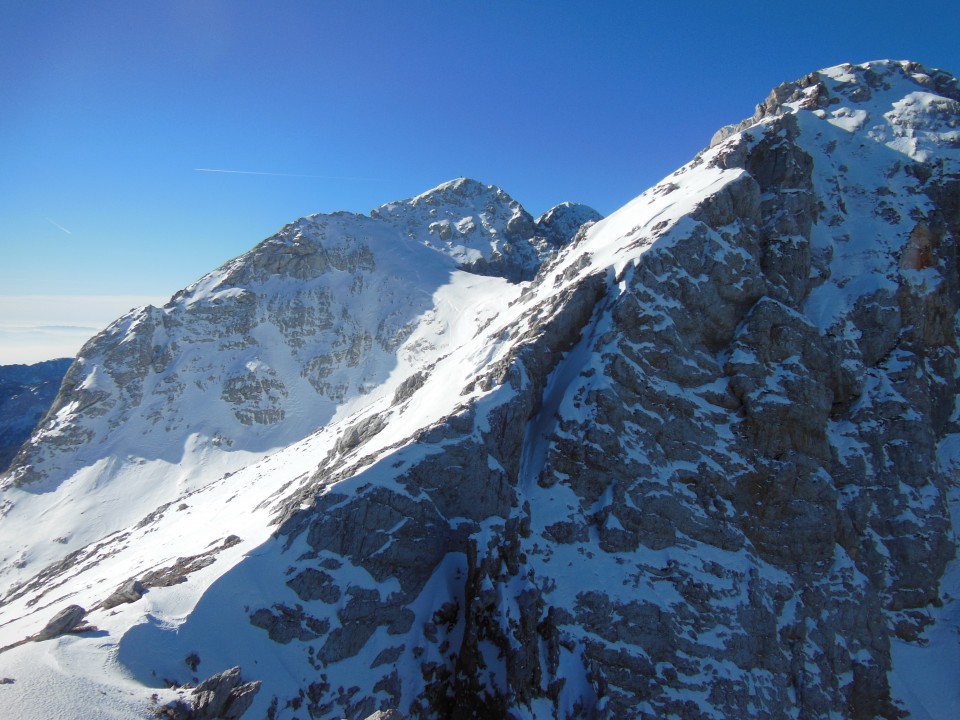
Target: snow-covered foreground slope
698,461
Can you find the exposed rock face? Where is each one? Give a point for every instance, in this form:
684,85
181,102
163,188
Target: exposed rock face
290,319
700,465
224,696
561,223
26,393
131,591
484,229
386,715
63,622
743,454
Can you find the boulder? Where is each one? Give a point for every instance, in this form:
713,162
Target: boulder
61,623
131,591
223,695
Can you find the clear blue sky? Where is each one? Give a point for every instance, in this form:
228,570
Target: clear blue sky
110,108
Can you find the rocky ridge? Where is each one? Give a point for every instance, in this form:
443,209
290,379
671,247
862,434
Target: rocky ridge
484,229
317,312
703,464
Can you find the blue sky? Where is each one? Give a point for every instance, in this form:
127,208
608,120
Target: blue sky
110,110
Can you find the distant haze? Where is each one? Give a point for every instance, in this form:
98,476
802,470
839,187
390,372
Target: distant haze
41,327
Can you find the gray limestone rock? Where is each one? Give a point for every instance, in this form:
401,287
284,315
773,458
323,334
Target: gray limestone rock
131,591
313,584
223,695
560,224
240,700
285,624
61,623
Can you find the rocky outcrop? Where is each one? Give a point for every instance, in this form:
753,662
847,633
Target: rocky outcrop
386,715
560,224
131,591
223,695
63,622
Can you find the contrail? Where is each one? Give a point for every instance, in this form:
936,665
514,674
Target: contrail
276,174
55,224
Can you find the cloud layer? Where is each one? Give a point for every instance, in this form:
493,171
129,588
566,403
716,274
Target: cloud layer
42,327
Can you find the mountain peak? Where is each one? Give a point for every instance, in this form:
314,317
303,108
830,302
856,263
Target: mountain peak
560,224
484,229
458,190
899,103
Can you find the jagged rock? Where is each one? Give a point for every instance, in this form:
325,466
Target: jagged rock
313,584
356,434
61,623
241,698
131,591
223,695
560,224
177,573
211,696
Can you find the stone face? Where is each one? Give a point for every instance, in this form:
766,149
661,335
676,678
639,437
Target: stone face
284,624
131,591
223,695
212,695
386,715
63,622
560,224
241,698
312,584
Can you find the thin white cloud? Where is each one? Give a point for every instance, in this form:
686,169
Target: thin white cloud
277,174
56,224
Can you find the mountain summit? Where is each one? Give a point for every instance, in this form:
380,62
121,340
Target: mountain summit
695,459
484,229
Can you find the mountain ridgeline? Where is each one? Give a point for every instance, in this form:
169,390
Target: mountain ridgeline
697,459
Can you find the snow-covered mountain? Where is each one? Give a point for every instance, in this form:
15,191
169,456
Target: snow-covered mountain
695,459
26,393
